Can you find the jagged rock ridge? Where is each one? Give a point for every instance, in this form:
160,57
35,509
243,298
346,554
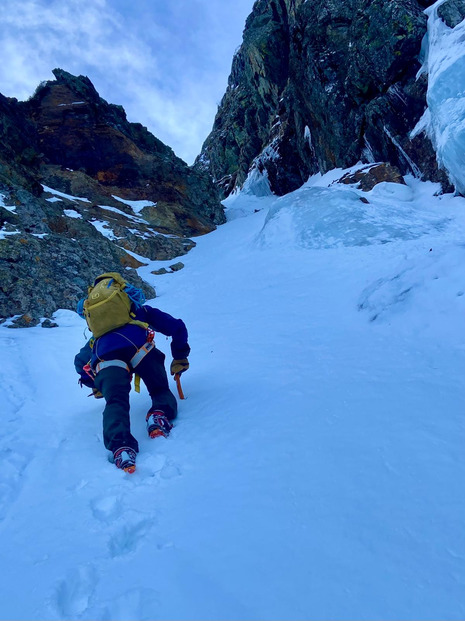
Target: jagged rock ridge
67,138
322,84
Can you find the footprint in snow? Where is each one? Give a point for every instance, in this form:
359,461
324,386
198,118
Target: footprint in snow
106,509
11,473
170,470
73,594
127,538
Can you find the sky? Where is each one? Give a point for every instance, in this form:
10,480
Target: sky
166,63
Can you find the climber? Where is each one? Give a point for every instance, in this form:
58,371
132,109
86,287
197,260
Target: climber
122,344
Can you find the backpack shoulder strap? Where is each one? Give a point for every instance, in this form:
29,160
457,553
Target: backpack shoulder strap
136,322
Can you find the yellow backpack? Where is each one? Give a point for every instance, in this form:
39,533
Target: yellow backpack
108,306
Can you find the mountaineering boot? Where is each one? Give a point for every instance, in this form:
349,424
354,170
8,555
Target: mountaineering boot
158,424
125,459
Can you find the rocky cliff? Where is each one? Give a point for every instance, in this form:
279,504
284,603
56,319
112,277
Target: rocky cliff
82,191
319,84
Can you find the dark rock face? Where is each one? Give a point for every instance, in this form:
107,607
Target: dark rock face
426,3
452,12
52,245
19,158
322,84
259,74
78,130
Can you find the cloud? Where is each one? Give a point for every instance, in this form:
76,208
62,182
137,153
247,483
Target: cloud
167,63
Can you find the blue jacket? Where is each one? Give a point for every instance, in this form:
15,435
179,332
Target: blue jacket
122,343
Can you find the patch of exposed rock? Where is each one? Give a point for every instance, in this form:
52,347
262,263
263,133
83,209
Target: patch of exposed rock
452,12
366,178
47,258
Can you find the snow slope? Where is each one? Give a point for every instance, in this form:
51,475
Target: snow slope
316,470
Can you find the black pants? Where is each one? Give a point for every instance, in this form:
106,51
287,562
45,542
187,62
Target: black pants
115,384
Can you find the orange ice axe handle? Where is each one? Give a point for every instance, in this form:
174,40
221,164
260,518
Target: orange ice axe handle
177,377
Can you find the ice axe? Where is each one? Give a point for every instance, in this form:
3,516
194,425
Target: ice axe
177,378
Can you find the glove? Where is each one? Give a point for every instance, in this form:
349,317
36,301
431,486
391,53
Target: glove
85,381
179,366
96,394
